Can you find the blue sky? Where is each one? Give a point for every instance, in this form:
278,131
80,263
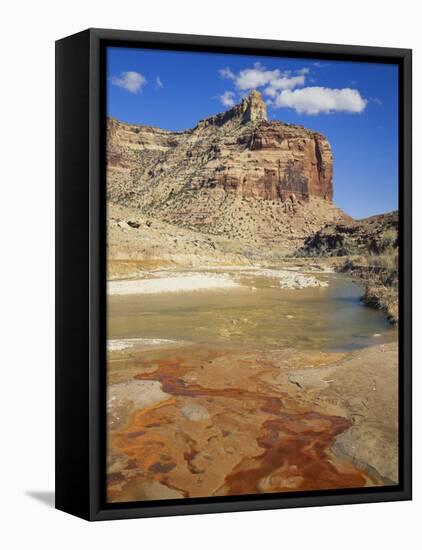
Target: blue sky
355,105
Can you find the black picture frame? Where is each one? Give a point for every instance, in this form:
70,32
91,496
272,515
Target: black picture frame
81,268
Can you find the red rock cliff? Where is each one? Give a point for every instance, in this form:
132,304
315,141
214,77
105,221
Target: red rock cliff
239,152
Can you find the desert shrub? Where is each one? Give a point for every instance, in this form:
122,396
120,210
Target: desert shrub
378,274
387,261
385,267
389,238
353,263
382,297
347,247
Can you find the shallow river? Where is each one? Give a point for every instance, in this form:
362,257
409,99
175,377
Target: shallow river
259,315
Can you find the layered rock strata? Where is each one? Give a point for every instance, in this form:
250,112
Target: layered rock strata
186,177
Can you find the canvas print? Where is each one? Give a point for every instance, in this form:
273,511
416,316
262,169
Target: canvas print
252,275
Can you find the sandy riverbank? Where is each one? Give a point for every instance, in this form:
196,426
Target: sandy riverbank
181,283
141,344
156,282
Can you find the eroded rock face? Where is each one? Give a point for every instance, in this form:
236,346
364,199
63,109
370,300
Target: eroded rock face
235,154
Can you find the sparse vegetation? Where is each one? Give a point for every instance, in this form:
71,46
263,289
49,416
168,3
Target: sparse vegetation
379,275
370,251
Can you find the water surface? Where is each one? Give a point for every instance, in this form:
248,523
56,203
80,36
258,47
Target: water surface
259,315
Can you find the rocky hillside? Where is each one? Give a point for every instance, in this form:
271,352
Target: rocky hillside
354,237
370,252
235,174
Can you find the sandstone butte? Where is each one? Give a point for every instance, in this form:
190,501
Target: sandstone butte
203,177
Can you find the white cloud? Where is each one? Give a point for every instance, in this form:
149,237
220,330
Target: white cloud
130,81
286,89
258,76
287,83
227,99
248,79
271,91
226,73
158,82
315,100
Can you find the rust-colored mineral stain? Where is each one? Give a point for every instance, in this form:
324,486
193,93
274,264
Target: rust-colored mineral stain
300,455
295,444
